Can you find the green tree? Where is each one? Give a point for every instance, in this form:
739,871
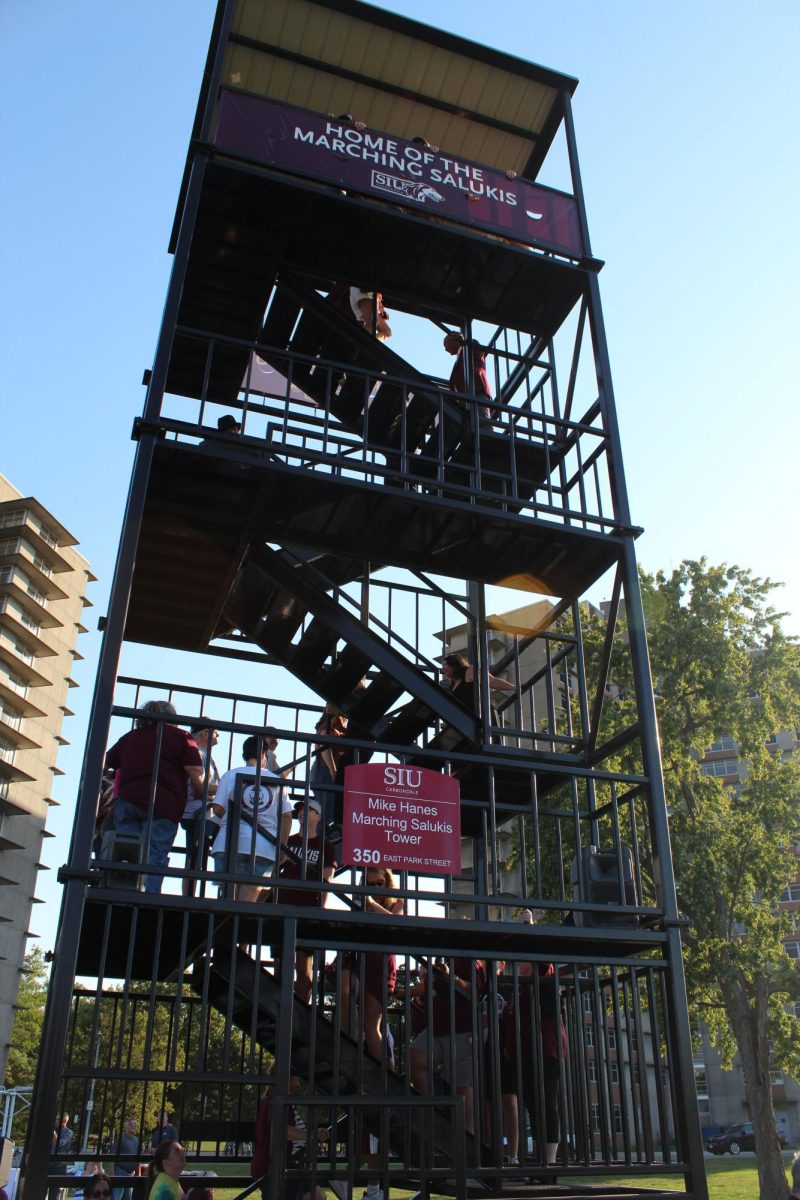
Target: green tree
149,1038
722,665
26,1035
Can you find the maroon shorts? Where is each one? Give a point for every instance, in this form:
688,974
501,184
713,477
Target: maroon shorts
377,967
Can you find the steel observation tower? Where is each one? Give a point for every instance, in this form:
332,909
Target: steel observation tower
311,499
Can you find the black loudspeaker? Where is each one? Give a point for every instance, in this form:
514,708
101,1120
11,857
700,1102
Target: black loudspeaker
122,848
595,880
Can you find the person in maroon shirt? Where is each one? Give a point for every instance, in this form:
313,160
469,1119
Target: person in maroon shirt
314,861
546,1049
380,970
455,343
133,756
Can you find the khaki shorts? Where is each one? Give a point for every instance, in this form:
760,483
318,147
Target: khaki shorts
462,1077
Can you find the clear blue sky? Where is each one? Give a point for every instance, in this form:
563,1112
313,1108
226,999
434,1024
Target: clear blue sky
686,117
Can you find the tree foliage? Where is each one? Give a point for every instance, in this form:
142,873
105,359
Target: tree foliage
26,1035
722,665
162,1048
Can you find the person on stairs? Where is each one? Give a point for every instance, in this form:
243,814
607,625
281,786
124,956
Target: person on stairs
311,857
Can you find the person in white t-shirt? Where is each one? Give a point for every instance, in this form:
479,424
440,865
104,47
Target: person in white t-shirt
261,832
368,310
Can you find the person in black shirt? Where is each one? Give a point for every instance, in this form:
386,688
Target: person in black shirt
310,858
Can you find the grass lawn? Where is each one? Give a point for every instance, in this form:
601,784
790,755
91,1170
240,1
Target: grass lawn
729,1178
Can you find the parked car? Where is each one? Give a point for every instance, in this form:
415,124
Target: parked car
708,1132
736,1138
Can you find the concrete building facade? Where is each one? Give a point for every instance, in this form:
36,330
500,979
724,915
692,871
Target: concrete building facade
43,584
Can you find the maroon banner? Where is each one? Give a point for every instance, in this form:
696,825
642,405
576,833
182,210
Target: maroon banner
406,818
409,174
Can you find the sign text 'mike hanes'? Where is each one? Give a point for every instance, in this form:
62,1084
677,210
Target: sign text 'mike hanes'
401,817
414,160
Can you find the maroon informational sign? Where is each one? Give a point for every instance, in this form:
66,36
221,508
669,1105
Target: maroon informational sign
406,818
409,174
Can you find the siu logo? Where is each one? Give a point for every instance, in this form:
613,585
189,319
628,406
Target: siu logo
405,189
402,777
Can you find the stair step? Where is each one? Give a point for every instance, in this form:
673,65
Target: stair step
283,619
406,725
385,408
253,984
281,318
337,569
375,701
346,673
323,330
317,644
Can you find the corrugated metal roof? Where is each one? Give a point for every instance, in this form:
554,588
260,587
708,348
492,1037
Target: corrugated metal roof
396,75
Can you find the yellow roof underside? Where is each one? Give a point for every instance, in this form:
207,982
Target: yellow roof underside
423,71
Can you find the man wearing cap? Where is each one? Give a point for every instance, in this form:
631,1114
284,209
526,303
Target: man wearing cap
199,822
229,424
140,808
309,857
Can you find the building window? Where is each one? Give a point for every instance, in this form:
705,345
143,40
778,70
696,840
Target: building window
700,1080
592,1071
10,519
615,1072
792,949
721,767
10,716
617,1118
8,606
42,565
587,1001
590,1035
23,652
703,1104
612,1039
7,750
595,1118
725,743
47,536
15,683
791,893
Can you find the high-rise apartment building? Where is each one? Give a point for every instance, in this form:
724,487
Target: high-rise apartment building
43,582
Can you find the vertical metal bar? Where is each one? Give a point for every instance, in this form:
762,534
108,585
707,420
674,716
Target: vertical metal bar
677,1012
575,170
647,1118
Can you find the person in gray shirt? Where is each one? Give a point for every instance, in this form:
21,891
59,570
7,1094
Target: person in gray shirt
126,1143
